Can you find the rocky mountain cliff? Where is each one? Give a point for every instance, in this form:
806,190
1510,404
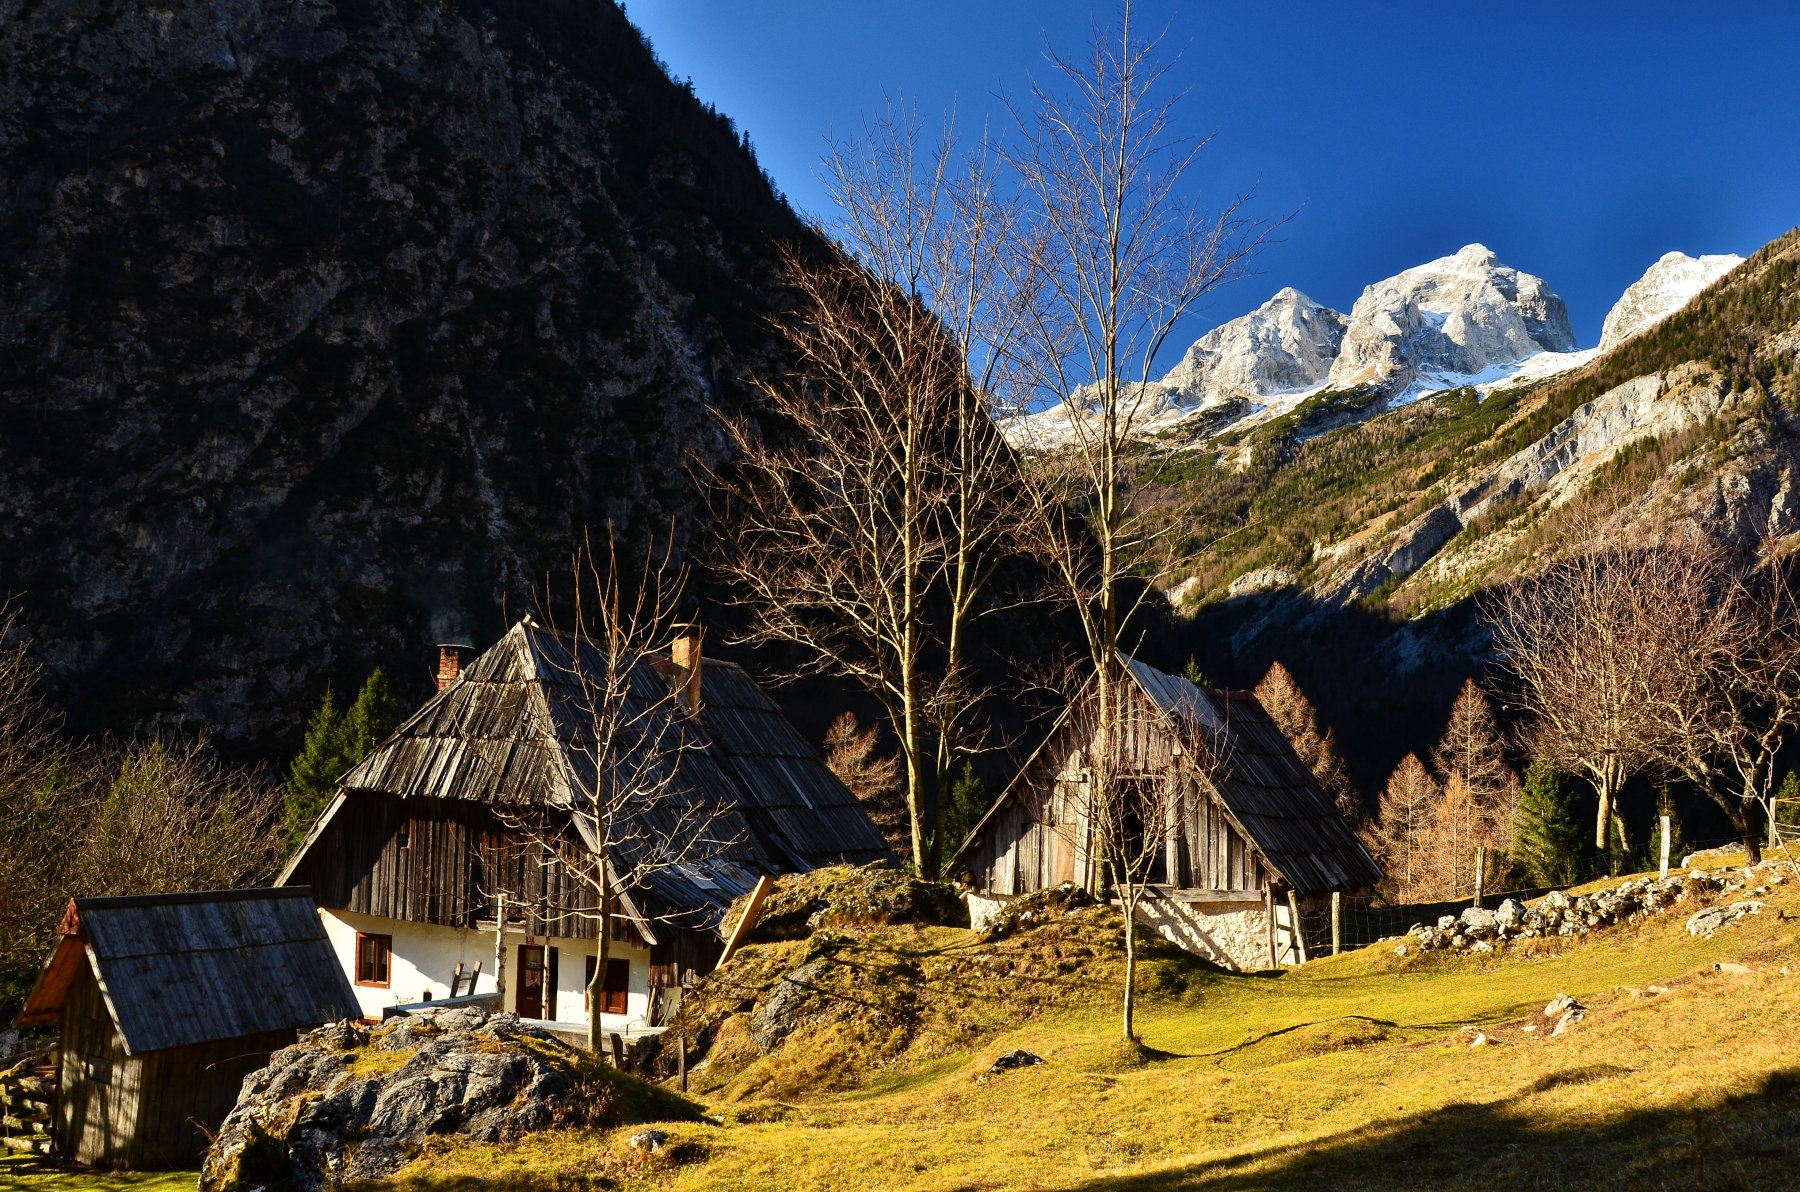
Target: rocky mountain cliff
1359,554
325,328
1454,317
1286,344
1665,288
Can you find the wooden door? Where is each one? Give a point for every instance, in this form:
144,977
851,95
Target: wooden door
552,983
614,994
529,1001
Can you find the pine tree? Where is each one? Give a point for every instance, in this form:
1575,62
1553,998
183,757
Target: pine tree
334,743
1550,828
1786,818
1294,714
968,803
1408,806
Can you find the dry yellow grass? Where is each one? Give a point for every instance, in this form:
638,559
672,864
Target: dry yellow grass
1353,1072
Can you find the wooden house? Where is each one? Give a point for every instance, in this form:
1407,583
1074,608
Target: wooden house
408,859
166,1002
1255,840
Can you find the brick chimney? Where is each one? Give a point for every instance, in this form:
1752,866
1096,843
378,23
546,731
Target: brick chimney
450,661
684,654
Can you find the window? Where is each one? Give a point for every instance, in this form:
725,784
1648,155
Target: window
372,955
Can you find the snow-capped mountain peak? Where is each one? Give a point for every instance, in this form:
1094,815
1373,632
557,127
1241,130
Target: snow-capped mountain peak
1665,288
1287,343
1460,315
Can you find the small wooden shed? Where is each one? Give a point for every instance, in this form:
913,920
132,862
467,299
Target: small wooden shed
1255,839
166,1002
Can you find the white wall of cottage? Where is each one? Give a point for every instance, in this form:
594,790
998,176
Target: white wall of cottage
425,956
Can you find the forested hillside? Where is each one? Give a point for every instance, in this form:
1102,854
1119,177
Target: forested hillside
325,329
1358,555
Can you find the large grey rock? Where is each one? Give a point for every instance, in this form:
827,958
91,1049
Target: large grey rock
1478,919
310,1122
1509,913
787,1005
1665,288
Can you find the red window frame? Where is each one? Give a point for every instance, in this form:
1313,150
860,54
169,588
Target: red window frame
378,965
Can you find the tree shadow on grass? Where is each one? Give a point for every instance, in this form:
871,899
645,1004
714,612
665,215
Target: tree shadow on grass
1744,1143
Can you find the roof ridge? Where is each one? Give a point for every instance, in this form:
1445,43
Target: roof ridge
246,894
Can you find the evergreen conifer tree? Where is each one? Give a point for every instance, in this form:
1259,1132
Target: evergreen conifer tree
968,803
335,741
1550,832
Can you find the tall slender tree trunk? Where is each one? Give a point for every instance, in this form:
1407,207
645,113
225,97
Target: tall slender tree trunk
596,988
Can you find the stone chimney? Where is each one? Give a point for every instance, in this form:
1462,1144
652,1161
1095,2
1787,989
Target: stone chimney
450,662
684,654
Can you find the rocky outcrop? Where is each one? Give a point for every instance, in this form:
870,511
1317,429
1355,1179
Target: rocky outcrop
1559,914
1287,343
349,1103
1457,316
326,329
1665,288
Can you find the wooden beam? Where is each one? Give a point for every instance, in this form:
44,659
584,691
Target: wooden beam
747,920
1337,933
1269,912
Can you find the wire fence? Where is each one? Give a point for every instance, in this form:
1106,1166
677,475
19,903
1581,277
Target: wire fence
1360,924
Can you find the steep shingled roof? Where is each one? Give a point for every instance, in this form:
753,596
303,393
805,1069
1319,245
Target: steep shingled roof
513,729
180,969
1266,787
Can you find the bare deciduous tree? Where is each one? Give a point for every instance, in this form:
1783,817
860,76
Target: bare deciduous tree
1593,658
633,814
175,817
1112,252
1731,638
867,535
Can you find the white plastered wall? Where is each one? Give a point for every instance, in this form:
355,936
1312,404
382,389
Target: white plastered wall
425,957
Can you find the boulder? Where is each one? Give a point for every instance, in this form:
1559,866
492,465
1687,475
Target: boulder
1509,914
786,1006
651,1141
318,1117
1016,1059
1476,919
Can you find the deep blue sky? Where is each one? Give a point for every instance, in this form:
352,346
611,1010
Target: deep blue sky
1579,141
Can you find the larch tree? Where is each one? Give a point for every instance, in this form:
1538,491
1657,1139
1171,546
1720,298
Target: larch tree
1409,806
850,753
1481,792
1281,697
1112,251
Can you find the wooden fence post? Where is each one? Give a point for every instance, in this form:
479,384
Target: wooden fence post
1299,940
1337,933
681,1060
1665,846
1480,872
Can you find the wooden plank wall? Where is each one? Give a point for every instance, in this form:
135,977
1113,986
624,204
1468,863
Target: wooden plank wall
441,861
96,1120
1041,838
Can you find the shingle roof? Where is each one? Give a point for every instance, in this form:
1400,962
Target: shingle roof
1265,785
515,729
180,969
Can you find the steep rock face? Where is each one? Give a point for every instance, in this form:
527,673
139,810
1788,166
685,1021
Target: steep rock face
1455,316
1665,288
1287,343
325,329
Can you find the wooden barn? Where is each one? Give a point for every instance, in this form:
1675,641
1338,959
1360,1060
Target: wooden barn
1255,840
409,857
166,1002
